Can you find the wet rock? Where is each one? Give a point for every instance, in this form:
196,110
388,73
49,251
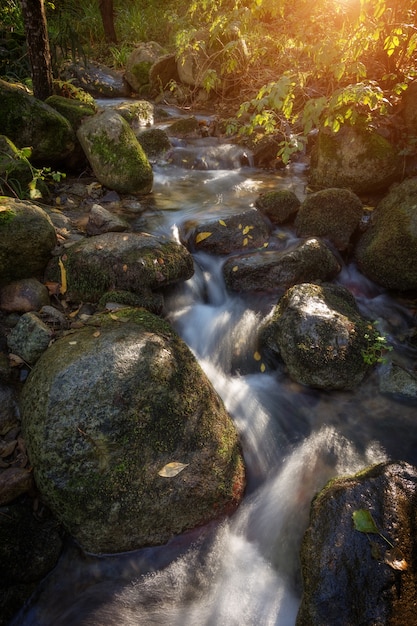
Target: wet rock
28,121
30,545
14,481
97,79
105,411
27,294
184,127
242,231
278,270
147,299
100,221
279,206
122,261
320,335
27,238
163,73
154,141
114,153
350,577
354,158
137,114
9,414
139,64
387,251
333,214
399,382
29,338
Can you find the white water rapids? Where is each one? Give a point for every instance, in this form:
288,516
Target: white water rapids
245,571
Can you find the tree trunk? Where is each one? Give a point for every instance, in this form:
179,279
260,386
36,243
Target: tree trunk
34,19
107,17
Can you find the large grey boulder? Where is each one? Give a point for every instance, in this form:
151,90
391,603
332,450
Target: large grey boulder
136,262
280,269
114,153
387,251
139,64
27,238
353,577
356,158
318,332
128,440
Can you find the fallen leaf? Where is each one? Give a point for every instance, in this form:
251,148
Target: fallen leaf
97,333
125,267
364,522
235,268
202,236
63,288
395,559
245,241
257,356
172,469
263,367
222,222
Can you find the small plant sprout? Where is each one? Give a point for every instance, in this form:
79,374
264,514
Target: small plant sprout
377,346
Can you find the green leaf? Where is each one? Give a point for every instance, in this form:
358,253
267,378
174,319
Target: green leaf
364,522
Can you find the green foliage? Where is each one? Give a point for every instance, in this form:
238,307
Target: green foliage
38,178
377,347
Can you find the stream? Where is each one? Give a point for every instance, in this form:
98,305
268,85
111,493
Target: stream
243,571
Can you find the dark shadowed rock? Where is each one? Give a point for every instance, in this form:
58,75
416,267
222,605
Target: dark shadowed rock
351,577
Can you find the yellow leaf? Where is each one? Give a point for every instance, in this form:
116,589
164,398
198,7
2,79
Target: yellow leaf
222,222
97,333
247,229
235,268
257,356
202,236
125,267
262,368
63,288
266,244
172,469
245,241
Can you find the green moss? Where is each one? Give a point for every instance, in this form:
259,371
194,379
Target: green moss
6,213
141,72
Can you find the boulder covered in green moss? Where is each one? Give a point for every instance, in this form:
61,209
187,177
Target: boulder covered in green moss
320,335
279,205
332,214
27,238
387,251
73,110
114,153
138,113
29,122
139,64
136,262
356,158
128,440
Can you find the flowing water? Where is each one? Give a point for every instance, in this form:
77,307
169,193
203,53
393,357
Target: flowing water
243,571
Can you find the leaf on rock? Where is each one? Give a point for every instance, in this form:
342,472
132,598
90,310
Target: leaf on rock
63,288
222,222
364,522
395,559
202,236
172,469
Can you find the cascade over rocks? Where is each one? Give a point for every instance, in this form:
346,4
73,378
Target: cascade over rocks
387,250
280,269
107,408
347,574
320,335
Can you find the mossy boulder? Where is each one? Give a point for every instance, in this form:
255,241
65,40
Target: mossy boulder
280,205
353,577
356,158
241,231
73,110
154,141
277,270
114,153
27,238
320,335
137,114
332,214
139,64
387,251
96,79
135,262
104,413
29,122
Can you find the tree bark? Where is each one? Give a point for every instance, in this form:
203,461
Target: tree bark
34,18
107,17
